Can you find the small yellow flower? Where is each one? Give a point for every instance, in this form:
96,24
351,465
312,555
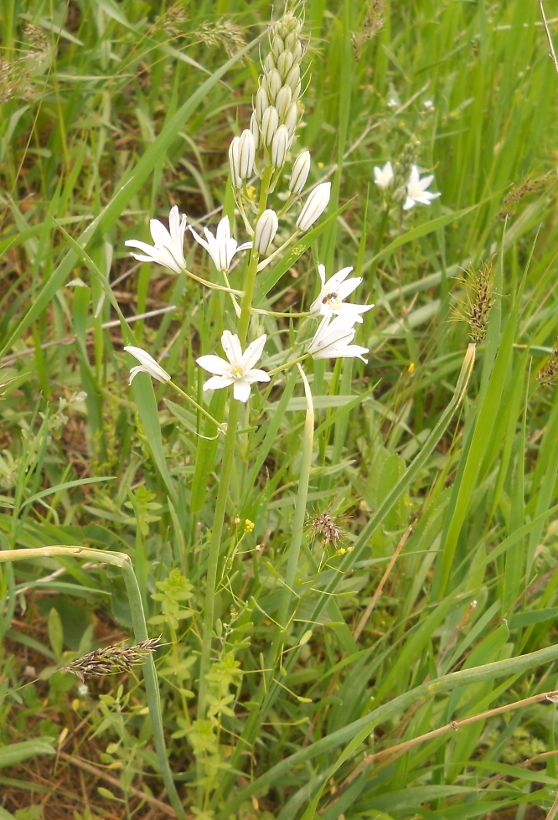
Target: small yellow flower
249,525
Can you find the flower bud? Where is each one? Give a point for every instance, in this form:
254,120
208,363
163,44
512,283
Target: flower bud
234,159
270,124
299,175
277,46
291,118
269,63
273,84
279,147
255,129
283,101
291,40
262,102
246,154
297,52
265,231
314,206
284,63
293,77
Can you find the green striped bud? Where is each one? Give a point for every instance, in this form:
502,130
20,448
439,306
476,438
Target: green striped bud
265,231
262,103
279,147
283,101
246,154
291,118
270,124
255,129
284,63
272,84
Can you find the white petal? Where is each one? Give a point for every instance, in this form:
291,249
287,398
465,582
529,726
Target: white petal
257,376
214,364
340,276
223,230
346,288
143,246
425,181
201,241
415,176
159,233
174,224
241,390
253,352
134,372
244,247
408,203
321,273
142,258
231,346
217,382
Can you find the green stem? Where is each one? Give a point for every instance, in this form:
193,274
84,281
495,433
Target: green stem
300,505
379,240
214,549
212,285
119,559
226,471
220,426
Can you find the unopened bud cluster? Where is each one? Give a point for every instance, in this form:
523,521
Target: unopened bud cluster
276,114
263,148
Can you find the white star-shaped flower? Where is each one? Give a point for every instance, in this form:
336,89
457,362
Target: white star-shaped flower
239,370
416,189
332,340
330,301
383,177
147,364
168,247
221,247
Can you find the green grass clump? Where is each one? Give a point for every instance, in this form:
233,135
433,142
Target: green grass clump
348,584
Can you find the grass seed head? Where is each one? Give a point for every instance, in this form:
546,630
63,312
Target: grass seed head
109,660
326,526
477,302
548,375
371,25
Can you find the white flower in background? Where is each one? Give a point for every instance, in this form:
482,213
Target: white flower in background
266,230
147,364
168,246
330,301
416,189
383,177
221,247
333,338
314,206
239,370
428,105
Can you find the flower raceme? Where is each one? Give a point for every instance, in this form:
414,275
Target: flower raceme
238,370
332,340
147,364
168,245
330,300
416,189
221,247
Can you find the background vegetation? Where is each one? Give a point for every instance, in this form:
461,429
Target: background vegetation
106,121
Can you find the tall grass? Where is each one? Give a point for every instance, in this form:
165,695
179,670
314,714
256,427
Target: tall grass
401,666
